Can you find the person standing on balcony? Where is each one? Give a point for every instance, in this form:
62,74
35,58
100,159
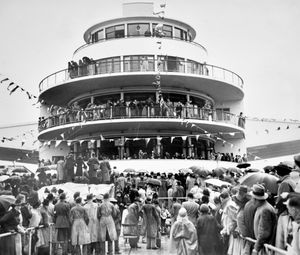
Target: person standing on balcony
242,120
179,107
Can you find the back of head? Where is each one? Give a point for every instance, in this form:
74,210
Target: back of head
106,196
190,195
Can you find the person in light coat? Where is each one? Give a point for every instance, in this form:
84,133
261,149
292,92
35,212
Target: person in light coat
93,225
183,236
107,228
79,231
293,206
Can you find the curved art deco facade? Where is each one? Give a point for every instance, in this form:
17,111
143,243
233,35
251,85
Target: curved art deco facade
108,103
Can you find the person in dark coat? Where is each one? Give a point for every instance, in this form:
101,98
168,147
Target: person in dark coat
79,165
93,164
151,219
207,232
70,163
130,226
62,221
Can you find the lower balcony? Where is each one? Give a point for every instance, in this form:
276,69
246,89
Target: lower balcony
137,122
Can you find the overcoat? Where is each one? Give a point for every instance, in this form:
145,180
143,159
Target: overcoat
106,212
80,233
151,220
93,226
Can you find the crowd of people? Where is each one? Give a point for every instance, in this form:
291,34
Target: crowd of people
196,217
128,109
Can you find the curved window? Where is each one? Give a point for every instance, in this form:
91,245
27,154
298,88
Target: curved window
180,34
108,65
167,30
171,64
138,29
194,67
115,32
99,35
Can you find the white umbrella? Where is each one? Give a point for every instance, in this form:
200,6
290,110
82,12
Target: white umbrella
3,178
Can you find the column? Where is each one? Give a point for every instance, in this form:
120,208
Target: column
184,147
190,146
122,147
158,138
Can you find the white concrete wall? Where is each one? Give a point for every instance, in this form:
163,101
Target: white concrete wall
260,133
142,46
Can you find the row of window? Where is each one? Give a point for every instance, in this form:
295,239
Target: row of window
139,29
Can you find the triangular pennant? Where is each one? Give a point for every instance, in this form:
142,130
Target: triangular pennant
197,137
69,143
172,138
6,79
10,84
49,143
102,138
62,136
57,142
92,141
184,138
147,140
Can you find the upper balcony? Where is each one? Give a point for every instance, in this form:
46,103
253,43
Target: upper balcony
137,71
153,120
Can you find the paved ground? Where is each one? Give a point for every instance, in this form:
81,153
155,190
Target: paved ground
126,250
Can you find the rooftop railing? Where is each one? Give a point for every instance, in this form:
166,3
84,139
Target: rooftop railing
109,66
128,112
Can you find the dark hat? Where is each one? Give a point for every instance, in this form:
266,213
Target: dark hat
78,200
76,194
62,196
204,208
243,189
239,199
282,169
89,197
259,192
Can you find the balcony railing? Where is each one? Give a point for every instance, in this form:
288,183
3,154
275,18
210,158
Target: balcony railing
127,112
109,66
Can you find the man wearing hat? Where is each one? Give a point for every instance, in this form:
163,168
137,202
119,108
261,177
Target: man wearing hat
93,225
264,218
117,219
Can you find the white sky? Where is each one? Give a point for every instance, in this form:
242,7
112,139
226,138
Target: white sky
259,40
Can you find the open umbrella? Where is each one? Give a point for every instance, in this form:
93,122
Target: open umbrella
7,200
269,181
3,178
253,170
43,168
217,183
219,171
154,182
129,170
234,170
186,171
142,171
201,172
243,165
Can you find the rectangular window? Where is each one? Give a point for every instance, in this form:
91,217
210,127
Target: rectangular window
108,65
167,30
115,32
140,63
137,29
171,64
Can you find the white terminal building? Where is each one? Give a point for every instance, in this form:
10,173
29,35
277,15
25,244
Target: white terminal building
108,100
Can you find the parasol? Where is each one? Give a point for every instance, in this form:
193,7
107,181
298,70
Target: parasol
142,171
219,171
129,170
243,165
6,201
269,181
185,171
14,178
234,170
154,182
217,182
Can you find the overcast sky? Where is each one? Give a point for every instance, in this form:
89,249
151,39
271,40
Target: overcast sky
259,40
